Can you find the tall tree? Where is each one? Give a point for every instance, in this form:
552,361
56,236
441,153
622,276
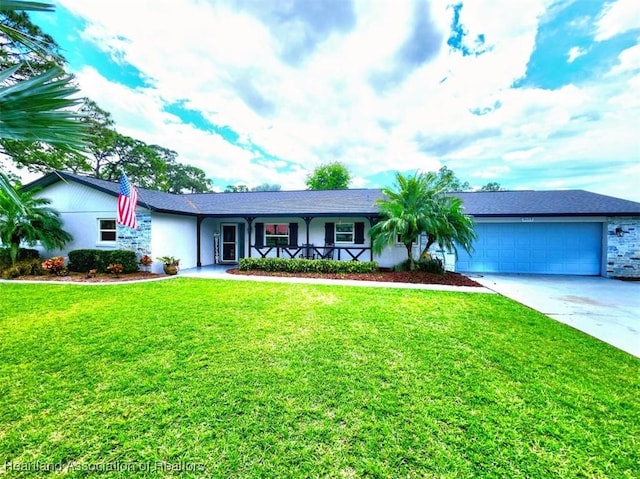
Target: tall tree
38,157
148,166
29,220
100,127
236,189
267,187
418,204
187,179
492,186
447,177
330,176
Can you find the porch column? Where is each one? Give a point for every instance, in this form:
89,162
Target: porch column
308,251
199,220
372,221
249,220
307,221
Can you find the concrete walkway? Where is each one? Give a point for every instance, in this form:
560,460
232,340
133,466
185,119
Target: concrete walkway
606,309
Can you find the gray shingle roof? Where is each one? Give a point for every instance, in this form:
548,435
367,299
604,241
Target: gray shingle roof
545,203
332,202
359,202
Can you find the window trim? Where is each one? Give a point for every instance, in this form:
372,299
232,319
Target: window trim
267,236
102,230
352,233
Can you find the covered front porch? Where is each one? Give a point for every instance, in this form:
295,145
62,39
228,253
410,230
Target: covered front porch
226,239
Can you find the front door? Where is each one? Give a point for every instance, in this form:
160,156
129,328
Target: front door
229,243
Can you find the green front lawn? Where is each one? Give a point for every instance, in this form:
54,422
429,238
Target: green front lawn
244,379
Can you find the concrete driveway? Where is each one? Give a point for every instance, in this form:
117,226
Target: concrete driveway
606,309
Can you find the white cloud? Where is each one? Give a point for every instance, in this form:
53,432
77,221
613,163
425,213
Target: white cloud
616,18
139,114
574,53
227,64
628,61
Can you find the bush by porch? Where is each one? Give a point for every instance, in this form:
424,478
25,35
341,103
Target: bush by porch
297,265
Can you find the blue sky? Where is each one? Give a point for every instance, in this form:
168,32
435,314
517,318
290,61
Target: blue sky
533,94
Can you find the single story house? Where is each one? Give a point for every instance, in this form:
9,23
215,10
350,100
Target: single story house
546,232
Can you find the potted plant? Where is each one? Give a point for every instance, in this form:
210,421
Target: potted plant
170,264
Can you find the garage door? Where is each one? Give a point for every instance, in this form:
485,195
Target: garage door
545,248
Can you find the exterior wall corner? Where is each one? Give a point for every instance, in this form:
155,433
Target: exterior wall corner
623,247
138,240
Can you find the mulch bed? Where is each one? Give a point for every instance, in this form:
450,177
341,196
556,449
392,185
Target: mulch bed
414,277
95,278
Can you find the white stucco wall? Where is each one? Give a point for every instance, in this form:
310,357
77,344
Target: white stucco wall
173,235
207,230
80,208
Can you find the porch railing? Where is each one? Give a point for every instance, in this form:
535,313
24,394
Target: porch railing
340,253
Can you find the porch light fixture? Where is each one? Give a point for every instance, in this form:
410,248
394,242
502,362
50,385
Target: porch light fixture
619,231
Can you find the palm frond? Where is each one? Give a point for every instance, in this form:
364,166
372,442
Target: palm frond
7,190
12,5
18,37
39,109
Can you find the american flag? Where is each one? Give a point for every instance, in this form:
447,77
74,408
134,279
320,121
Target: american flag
127,201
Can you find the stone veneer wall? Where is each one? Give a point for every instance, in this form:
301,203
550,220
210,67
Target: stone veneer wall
623,247
138,240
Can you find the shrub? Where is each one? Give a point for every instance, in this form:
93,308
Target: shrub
24,254
115,269
295,265
83,260
55,266
27,267
427,265
431,265
126,258
146,260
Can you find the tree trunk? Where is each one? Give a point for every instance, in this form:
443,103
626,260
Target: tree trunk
409,247
430,240
13,252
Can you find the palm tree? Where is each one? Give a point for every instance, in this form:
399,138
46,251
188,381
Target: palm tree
29,220
453,228
39,108
419,204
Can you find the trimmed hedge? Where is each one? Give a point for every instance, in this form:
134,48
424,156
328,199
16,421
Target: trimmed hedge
431,265
282,265
84,260
126,258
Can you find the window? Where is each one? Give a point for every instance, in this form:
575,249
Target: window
276,234
107,230
344,233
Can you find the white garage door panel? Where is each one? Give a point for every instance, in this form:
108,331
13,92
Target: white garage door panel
546,248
